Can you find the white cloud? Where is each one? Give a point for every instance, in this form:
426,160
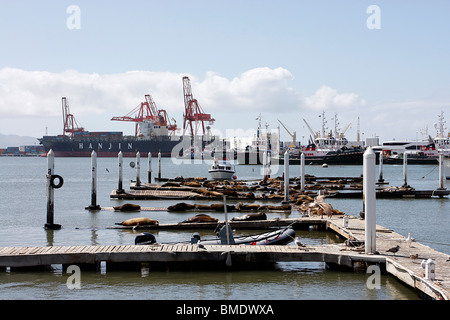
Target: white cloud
31,100
328,98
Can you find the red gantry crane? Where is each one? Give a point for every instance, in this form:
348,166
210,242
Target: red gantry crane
147,111
194,116
70,125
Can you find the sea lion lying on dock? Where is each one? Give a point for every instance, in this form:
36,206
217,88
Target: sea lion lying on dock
139,222
128,207
247,207
181,207
200,218
275,208
251,217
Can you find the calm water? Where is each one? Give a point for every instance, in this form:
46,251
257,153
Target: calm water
23,214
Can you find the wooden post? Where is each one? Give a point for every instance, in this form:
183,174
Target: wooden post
50,225
286,176
369,192
94,205
120,186
159,165
138,169
149,167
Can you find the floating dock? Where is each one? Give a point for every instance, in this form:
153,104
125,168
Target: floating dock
404,264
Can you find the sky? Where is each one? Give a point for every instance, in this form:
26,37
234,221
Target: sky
288,60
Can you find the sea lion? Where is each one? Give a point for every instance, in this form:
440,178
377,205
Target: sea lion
219,207
246,207
200,218
128,207
139,222
251,217
275,208
181,207
203,207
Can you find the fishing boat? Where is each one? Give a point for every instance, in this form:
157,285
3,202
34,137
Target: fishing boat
221,170
327,148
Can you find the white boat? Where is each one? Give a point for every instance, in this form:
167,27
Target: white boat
442,141
419,152
221,170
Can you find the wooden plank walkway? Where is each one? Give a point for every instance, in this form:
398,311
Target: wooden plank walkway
399,265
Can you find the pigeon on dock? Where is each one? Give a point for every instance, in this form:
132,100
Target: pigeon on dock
413,256
394,250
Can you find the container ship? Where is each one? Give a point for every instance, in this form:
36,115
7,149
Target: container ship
154,132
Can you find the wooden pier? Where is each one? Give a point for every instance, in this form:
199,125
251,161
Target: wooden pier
404,265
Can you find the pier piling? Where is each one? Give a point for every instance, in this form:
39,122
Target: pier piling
138,169
286,176
149,167
302,171
120,186
94,205
441,172
369,189
50,225
380,178
159,165
405,169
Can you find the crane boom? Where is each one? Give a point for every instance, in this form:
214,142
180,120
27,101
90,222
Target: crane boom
310,130
293,135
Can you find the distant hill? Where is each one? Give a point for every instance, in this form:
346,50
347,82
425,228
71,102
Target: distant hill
16,141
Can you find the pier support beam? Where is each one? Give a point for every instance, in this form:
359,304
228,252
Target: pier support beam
50,225
369,189
120,186
94,205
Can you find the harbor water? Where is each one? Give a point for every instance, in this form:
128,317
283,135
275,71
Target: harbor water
23,215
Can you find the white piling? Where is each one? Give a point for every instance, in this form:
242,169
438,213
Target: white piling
138,169
380,178
51,192
149,167
94,205
369,189
159,165
405,171
264,167
120,186
302,171
286,176
441,171
226,218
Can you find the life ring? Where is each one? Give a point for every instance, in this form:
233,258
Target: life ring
60,181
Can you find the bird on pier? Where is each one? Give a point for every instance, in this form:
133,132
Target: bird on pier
297,242
413,256
394,250
324,207
410,239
